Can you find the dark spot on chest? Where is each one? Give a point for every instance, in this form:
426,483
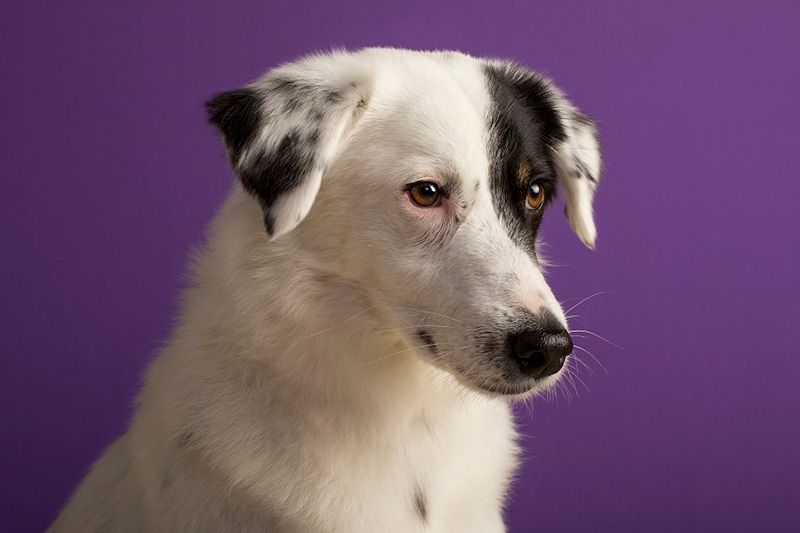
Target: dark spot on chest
166,480
186,439
421,503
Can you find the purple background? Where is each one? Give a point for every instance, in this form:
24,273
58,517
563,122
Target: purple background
110,174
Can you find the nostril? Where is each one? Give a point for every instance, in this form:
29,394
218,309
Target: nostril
532,359
528,353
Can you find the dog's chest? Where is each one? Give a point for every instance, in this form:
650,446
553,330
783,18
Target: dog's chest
445,475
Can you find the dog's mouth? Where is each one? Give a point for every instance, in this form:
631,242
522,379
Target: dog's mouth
505,389
521,389
494,380
515,387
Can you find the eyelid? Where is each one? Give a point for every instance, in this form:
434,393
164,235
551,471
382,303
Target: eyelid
541,178
547,182
444,188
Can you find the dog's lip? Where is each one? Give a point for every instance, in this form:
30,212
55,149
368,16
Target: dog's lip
507,389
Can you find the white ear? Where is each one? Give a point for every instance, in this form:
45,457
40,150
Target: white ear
282,132
578,164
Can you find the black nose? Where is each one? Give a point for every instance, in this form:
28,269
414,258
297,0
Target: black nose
541,351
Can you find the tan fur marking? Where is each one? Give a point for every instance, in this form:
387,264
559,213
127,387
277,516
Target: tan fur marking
524,172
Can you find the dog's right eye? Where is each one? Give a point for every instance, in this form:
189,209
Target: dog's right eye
425,194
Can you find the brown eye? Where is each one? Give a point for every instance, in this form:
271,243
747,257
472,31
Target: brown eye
425,194
535,196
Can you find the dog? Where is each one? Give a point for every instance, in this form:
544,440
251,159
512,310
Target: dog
369,300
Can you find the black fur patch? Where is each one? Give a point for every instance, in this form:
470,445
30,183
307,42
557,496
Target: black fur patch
237,115
421,503
428,340
525,125
271,174
269,223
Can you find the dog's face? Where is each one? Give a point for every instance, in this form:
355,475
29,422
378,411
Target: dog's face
422,179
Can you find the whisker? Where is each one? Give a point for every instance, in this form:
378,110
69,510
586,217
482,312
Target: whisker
583,383
410,348
581,361
400,330
562,389
468,372
409,363
564,302
586,300
571,379
593,334
592,356
427,312
370,308
403,328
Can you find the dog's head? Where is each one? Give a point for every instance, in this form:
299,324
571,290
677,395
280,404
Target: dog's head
421,179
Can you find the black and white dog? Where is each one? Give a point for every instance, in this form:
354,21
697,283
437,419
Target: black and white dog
369,300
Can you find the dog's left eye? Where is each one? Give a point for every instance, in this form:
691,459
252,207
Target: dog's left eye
535,196
425,194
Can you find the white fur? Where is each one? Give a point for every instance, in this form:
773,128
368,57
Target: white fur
293,395
579,192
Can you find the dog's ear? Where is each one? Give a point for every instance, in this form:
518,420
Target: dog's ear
282,131
578,164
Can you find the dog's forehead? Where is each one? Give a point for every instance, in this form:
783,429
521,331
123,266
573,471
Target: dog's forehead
492,123
482,121
438,104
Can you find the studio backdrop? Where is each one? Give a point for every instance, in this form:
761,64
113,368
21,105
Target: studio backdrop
684,414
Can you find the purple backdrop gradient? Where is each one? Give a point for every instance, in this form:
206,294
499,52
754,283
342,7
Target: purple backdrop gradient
110,175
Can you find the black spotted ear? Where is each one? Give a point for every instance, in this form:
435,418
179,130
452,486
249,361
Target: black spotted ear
282,131
578,163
